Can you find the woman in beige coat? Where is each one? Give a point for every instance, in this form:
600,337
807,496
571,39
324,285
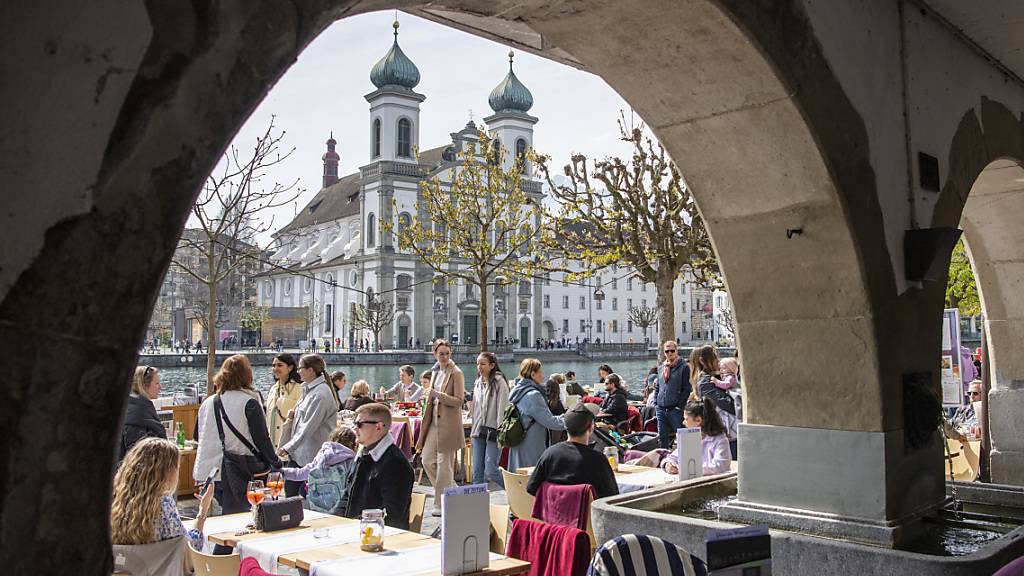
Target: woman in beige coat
284,395
441,434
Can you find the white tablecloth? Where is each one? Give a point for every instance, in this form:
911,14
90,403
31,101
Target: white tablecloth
640,480
236,522
266,550
419,560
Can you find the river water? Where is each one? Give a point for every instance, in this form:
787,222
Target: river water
633,373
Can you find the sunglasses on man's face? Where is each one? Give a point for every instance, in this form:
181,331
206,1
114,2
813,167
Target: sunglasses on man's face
670,350
975,393
360,423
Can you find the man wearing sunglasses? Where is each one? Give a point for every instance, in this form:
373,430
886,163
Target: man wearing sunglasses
383,477
671,392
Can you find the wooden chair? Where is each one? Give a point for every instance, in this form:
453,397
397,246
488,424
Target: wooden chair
214,565
416,508
519,500
467,461
499,527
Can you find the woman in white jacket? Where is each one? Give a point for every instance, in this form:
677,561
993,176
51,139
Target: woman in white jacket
312,421
243,409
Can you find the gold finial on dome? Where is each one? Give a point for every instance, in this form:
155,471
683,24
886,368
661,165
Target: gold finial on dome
395,25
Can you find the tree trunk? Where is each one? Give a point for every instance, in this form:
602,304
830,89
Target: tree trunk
484,307
211,322
666,306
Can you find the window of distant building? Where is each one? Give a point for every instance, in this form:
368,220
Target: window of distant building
565,302
371,230
547,301
583,302
404,138
615,303
521,154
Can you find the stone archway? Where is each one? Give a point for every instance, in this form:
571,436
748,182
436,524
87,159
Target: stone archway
744,95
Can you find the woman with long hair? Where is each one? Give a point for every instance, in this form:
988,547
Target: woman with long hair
441,433
284,394
530,399
140,418
144,508
233,435
490,398
313,418
706,369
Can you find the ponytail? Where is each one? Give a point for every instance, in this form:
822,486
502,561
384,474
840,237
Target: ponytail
710,421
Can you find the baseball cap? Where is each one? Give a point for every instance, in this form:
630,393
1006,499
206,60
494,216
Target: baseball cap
578,417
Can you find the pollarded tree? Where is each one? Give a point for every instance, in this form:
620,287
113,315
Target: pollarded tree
373,317
643,316
481,227
636,212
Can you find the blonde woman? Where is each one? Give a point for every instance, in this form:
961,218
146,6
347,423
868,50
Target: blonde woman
284,394
140,418
360,395
144,510
442,434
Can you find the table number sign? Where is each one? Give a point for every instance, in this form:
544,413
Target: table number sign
465,529
689,452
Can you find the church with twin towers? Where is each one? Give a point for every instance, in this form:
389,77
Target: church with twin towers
335,254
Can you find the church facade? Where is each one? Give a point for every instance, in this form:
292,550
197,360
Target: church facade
335,254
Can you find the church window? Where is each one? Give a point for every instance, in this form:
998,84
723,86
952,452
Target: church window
521,154
404,138
376,137
371,230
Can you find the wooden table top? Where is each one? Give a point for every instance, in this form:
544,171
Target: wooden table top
623,469
304,560
232,539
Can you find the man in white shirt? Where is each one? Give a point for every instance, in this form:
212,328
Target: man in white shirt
406,389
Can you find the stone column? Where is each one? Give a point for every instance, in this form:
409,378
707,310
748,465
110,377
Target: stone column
1006,400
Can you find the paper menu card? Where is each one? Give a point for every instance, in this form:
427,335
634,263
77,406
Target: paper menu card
743,551
689,452
465,529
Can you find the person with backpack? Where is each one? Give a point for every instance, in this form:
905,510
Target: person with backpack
327,476
524,428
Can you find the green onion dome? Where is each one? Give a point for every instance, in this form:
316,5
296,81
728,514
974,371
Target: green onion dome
395,68
510,95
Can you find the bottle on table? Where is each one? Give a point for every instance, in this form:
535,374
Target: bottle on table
180,437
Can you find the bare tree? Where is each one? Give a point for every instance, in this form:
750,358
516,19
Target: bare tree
227,217
727,322
644,317
635,212
375,317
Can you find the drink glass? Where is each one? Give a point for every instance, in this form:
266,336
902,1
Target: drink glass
275,484
612,455
254,493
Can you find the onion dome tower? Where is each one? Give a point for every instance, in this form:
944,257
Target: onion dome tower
394,106
510,123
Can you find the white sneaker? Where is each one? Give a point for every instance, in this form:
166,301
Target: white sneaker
436,513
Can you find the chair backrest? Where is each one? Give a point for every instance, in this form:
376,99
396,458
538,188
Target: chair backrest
164,558
416,507
656,556
499,527
211,565
519,500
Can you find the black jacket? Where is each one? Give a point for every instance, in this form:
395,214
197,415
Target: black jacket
721,398
386,483
615,406
140,421
674,392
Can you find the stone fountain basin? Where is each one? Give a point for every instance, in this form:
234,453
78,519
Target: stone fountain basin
794,554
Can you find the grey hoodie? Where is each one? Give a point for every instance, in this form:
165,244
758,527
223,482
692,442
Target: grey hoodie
330,454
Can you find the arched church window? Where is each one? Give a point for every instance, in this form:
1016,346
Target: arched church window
404,138
521,154
371,230
376,137
404,221
494,158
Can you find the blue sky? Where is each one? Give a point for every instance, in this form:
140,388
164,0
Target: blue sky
323,92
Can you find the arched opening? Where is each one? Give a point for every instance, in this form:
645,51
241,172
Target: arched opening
404,144
375,138
371,230
796,172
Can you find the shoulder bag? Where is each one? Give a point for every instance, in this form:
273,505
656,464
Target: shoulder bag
236,470
280,514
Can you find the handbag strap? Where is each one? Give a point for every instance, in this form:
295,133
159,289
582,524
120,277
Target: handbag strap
219,412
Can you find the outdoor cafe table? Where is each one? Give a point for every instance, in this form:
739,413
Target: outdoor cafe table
630,477
299,548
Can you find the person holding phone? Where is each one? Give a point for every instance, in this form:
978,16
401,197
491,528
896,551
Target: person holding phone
144,509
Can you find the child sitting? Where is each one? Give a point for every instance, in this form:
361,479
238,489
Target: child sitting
327,475
713,440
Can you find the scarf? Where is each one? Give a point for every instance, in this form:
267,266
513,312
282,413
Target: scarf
669,366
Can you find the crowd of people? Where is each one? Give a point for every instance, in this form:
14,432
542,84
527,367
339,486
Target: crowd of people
345,465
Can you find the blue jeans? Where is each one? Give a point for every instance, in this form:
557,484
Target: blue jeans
486,456
669,420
